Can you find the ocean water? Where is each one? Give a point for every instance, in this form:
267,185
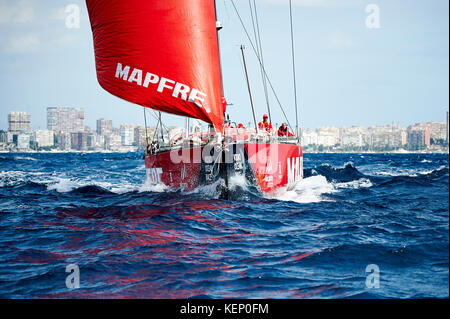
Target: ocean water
315,240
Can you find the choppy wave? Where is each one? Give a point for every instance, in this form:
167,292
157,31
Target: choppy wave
132,238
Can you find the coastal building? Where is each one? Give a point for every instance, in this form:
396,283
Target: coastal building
438,130
79,141
328,136
23,142
104,127
127,134
95,141
140,135
19,122
3,137
447,128
354,136
63,141
113,142
65,119
309,137
418,136
44,138
392,136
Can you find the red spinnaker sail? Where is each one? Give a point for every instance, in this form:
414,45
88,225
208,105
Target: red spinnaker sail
161,54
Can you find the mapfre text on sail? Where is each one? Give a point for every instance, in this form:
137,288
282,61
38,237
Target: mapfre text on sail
179,90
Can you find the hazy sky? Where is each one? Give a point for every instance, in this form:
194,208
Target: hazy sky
348,74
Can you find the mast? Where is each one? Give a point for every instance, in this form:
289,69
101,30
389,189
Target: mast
249,89
293,69
218,28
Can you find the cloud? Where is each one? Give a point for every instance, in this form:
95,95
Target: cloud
21,11
20,44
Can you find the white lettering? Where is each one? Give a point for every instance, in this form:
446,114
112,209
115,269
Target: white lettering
154,175
122,73
180,90
150,78
162,84
195,98
183,89
293,170
136,76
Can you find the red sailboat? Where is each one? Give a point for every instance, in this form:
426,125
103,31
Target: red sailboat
164,55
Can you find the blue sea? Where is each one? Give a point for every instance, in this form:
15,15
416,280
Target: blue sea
352,213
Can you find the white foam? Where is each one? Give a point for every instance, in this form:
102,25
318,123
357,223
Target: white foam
149,186
308,190
236,181
382,170
209,191
63,185
357,184
25,158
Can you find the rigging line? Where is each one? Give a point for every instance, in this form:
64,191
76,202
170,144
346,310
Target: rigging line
162,129
156,130
259,52
146,135
156,117
145,121
266,93
293,67
262,66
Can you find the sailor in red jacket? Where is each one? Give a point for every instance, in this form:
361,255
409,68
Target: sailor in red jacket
265,124
283,131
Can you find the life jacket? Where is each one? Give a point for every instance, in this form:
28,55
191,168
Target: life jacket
265,126
284,132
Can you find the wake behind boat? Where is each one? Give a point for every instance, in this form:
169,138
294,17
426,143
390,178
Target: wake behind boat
164,55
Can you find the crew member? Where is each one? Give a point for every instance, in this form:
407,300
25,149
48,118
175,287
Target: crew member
283,131
265,125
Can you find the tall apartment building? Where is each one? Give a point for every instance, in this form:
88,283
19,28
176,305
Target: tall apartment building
19,122
127,134
418,136
79,141
104,127
65,119
438,130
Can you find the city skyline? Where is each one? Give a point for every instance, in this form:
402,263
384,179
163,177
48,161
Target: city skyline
348,74
93,123
66,131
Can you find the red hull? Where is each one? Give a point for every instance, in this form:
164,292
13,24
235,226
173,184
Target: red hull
267,166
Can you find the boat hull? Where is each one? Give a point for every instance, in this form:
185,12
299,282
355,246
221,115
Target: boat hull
267,166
